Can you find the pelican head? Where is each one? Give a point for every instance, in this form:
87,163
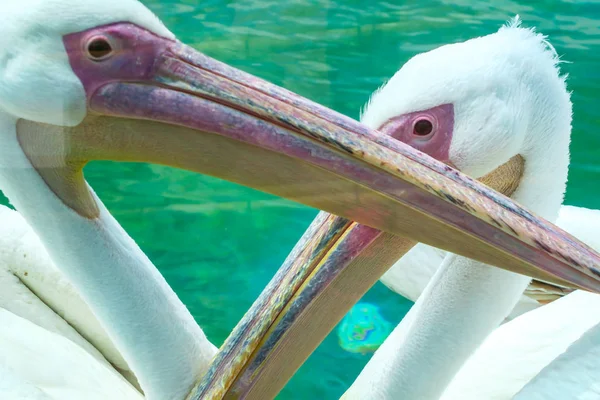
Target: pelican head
39,79
478,104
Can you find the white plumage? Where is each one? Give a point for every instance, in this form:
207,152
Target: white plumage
32,288
517,351
572,375
36,360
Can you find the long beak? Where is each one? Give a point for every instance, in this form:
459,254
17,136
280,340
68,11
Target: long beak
159,101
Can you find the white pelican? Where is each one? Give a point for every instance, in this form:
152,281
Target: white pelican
104,79
425,351
513,74
452,103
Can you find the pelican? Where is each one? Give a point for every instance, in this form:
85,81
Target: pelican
105,79
454,104
445,328
546,353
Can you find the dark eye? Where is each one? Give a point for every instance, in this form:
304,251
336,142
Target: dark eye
99,48
422,127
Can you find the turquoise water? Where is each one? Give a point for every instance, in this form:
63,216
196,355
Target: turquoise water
218,244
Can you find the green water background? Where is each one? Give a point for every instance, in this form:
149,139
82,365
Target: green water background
218,244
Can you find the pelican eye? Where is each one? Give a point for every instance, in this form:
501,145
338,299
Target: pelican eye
99,48
422,127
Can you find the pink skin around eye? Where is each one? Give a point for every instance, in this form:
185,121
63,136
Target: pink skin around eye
437,143
134,56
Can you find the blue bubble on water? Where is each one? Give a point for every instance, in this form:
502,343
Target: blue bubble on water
363,329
